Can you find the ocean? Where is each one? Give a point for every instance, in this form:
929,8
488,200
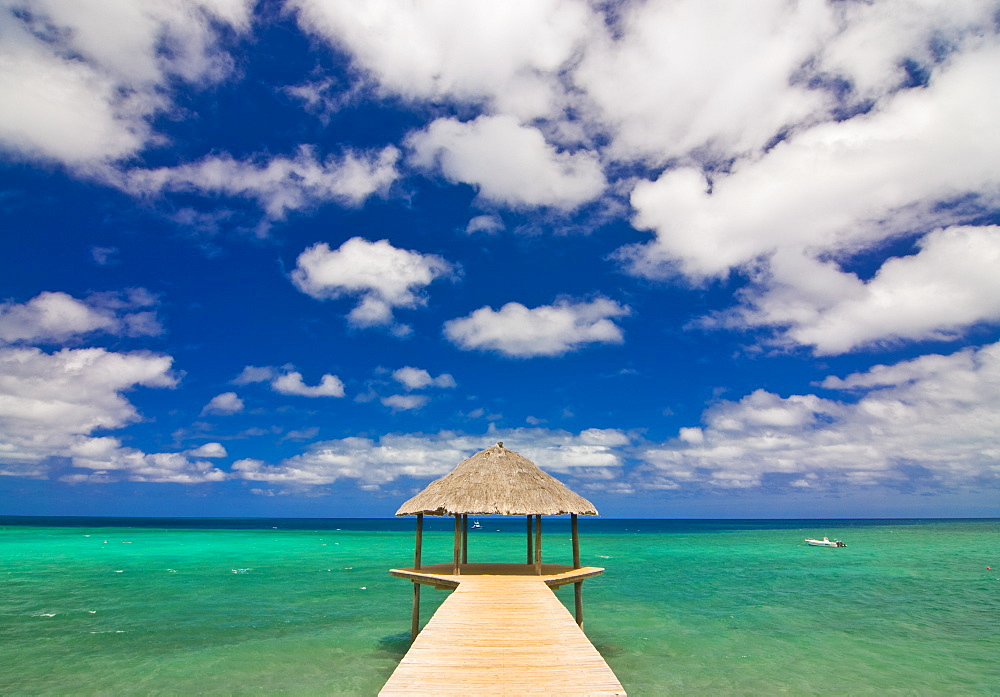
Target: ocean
306,607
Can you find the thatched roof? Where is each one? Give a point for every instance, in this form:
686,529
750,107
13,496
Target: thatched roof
497,481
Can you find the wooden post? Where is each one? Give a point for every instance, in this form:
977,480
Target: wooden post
465,538
415,621
531,553
417,553
578,596
576,540
420,541
457,557
538,545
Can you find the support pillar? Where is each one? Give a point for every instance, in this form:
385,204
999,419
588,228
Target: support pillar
417,553
538,545
531,553
578,597
577,587
415,620
576,540
457,567
418,546
465,538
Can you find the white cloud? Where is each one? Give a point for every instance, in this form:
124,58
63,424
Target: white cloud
382,276
136,466
104,256
225,403
285,380
291,384
405,402
905,373
549,330
81,79
208,450
57,316
508,54
376,463
926,423
324,97
796,217
508,163
488,224
51,403
935,414
418,378
878,39
251,374
278,184
836,187
679,76
950,284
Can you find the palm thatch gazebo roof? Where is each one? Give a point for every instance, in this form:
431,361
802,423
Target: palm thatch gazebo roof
497,481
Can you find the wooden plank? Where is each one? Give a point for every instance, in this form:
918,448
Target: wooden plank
442,575
502,635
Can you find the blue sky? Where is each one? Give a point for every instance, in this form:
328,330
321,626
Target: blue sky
696,259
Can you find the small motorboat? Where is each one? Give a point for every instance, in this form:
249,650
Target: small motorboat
825,542
476,525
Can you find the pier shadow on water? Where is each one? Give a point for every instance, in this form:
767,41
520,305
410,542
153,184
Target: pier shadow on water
394,645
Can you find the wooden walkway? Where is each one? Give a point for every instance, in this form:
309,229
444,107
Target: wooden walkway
502,635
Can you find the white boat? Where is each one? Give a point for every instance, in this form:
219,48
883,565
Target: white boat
825,542
476,525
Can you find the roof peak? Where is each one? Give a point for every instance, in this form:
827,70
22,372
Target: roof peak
497,481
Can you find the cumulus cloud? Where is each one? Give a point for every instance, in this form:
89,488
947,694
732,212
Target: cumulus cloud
506,55
417,378
934,415
225,403
924,424
287,381
292,384
878,42
678,76
51,404
82,80
383,277
393,456
133,465
796,217
211,450
950,284
405,402
548,330
837,186
56,316
278,184
252,373
508,163
487,224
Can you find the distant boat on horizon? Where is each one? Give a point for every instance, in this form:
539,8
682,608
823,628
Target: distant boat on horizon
825,542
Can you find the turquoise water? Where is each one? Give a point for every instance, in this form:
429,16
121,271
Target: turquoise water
91,607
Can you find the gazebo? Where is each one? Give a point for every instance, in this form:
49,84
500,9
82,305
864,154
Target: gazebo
496,481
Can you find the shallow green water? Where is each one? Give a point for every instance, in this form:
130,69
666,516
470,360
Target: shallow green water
685,607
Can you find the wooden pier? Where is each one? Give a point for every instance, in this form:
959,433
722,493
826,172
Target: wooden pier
501,635
502,631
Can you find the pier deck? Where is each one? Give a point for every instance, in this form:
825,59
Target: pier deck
501,635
